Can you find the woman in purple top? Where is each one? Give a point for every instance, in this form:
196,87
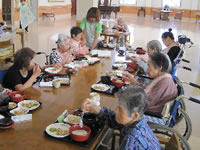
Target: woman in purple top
135,134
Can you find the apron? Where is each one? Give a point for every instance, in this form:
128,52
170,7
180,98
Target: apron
90,31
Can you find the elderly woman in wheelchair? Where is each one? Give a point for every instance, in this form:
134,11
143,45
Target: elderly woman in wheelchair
162,89
128,118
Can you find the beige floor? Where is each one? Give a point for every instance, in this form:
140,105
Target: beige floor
43,34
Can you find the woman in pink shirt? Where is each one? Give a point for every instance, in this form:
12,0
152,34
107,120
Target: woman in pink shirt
76,43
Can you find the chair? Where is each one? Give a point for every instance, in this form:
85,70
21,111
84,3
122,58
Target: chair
179,15
197,17
156,14
2,73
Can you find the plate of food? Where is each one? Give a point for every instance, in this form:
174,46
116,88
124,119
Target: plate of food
12,105
58,130
100,87
92,60
19,111
52,70
61,80
29,104
72,119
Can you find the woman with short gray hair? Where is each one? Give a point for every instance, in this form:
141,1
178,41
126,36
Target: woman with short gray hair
135,133
162,89
153,46
63,54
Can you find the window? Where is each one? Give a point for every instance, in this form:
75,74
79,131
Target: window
172,3
125,2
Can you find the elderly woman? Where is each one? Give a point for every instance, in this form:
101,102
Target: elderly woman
173,48
63,54
128,118
162,89
23,72
123,30
153,46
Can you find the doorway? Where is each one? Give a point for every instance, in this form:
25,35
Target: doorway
73,9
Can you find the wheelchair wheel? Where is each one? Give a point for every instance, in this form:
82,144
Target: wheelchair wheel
185,126
179,115
166,132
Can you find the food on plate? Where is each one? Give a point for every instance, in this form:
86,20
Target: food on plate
80,132
101,88
53,70
18,112
29,104
59,131
12,105
72,119
62,80
17,95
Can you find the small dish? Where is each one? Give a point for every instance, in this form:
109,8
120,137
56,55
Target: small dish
72,119
19,111
79,134
52,70
12,105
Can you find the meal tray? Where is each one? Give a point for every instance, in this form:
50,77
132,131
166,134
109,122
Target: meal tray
42,77
30,111
93,135
111,91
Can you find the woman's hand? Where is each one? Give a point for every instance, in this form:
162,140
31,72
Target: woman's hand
129,77
58,66
134,59
6,92
89,106
36,70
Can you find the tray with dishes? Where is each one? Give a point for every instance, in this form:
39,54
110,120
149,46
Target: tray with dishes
23,107
69,132
46,80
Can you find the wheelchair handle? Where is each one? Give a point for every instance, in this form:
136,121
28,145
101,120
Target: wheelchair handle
194,100
187,61
194,85
187,68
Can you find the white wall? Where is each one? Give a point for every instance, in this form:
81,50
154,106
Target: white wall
83,6
0,4
47,3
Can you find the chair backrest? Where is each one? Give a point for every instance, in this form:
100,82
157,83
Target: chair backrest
156,14
179,15
2,73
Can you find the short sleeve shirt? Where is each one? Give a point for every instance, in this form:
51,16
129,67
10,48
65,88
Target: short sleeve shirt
13,77
98,28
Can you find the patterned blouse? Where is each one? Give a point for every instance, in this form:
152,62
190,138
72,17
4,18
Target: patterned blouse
137,136
55,57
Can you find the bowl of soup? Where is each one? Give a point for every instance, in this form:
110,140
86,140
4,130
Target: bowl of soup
118,82
79,134
17,96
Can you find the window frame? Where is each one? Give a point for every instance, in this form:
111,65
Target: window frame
126,4
171,6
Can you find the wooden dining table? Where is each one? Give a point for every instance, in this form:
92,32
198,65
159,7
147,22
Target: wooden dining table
29,135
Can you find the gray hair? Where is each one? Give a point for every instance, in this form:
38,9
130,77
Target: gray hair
120,19
155,45
133,99
61,39
160,60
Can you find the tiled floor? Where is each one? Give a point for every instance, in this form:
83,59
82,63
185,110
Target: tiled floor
42,37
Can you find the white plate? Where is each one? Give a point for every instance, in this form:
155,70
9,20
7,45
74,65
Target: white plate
29,104
62,126
100,87
61,80
53,70
93,60
19,109
1,117
72,119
